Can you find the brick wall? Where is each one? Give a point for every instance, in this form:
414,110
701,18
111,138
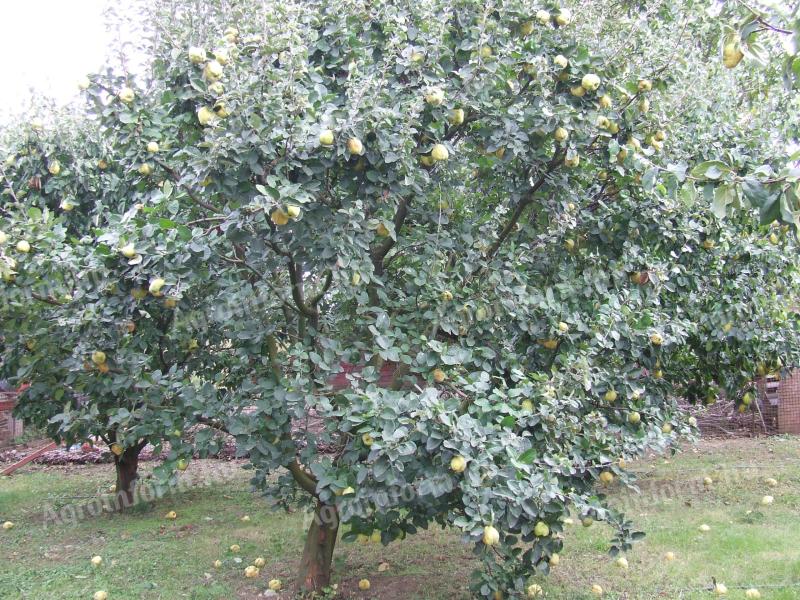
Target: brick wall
9,426
780,402
789,406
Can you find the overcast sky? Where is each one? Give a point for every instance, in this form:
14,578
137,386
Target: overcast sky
48,45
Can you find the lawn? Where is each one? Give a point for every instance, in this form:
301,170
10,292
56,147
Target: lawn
146,556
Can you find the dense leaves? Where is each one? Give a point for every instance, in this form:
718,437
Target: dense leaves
451,263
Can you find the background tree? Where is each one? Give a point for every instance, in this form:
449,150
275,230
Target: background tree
92,314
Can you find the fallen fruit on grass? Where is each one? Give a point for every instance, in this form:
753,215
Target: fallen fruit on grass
534,590
251,572
554,560
771,482
363,585
587,521
259,562
235,548
171,515
704,528
767,500
720,589
606,477
707,481
217,564
622,562
8,525
752,593
97,561
100,595
245,519
597,590
490,535
275,585
669,556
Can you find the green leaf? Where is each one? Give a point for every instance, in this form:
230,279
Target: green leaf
723,196
508,422
712,169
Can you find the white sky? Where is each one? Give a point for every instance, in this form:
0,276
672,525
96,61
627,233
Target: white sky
48,45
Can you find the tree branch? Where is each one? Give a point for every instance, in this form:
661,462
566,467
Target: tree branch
303,478
46,299
325,287
380,251
523,204
177,179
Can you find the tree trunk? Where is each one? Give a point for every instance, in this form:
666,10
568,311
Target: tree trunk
315,567
127,466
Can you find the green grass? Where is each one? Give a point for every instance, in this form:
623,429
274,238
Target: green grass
148,557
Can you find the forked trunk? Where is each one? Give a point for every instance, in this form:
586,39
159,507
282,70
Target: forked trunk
127,466
315,567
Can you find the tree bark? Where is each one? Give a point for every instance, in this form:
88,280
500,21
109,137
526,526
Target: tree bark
127,467
315,566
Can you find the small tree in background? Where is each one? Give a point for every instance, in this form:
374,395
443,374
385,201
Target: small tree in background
94,316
